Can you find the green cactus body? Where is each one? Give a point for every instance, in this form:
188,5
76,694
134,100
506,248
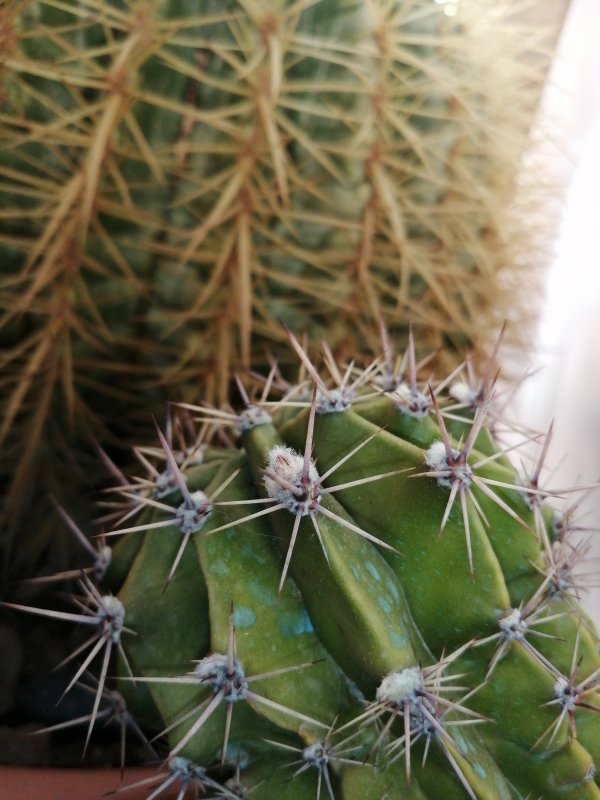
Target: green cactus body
361,617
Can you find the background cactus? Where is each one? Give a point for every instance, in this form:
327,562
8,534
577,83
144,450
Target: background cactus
176,177
360,599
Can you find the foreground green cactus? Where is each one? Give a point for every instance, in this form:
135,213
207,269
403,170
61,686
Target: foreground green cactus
351,602
176,177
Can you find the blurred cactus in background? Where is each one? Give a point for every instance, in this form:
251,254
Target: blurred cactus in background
177,178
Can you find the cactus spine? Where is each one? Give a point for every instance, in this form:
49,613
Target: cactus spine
359,599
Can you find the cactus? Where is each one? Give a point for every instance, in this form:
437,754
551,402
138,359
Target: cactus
177,177
344,589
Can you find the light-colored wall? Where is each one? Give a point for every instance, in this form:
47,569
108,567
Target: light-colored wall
567,344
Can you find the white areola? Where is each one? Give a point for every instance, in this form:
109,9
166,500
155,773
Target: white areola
316,754
436,459
190,518
512,625
462,392
566,693
288,465
111,616
214,671
336,400
251,417
410,401
397,687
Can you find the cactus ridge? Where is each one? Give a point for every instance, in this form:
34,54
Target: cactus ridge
376,602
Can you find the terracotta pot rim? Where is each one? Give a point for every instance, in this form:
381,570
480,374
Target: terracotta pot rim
72,783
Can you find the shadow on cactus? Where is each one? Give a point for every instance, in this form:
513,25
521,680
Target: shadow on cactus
175,178
344,589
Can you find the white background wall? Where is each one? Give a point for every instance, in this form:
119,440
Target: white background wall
567,345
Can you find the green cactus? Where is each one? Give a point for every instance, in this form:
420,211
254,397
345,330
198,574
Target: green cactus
176,177
359,598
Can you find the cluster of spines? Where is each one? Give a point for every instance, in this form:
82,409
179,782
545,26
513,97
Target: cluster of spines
414,697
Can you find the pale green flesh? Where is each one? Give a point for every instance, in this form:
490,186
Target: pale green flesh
406,512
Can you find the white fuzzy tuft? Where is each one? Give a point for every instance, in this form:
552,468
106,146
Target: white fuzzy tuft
436,457
251,417
316,754
397,687
111,617
164,484
211,668
565,693
113,607
410,402
213,671
179,764
463,393
191,520
288,465
512,625
336,400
